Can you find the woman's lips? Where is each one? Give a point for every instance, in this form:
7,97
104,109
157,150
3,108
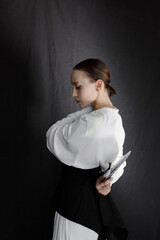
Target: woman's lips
78,101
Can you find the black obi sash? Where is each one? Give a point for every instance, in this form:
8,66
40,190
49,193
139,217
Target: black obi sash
77,199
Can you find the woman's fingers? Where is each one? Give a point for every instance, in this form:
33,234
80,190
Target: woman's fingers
100,184
104,191
104,187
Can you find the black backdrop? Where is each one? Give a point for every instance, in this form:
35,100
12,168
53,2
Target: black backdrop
40,43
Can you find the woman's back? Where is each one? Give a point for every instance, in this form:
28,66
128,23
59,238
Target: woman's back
103,139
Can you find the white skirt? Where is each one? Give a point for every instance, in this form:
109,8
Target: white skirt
64,229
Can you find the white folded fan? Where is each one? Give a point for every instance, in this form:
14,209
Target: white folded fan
109,172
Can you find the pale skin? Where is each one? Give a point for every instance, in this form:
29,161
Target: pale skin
95,94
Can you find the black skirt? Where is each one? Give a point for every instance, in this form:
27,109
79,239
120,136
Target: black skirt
77,199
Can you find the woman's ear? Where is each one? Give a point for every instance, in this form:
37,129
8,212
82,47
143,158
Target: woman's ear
99,84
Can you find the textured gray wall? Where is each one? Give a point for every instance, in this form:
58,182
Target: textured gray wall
41,42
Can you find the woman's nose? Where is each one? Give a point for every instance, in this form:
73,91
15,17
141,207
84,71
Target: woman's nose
74,93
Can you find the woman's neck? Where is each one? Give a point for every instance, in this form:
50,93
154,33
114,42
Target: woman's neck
102,101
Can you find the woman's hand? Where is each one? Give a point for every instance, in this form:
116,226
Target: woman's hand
103,187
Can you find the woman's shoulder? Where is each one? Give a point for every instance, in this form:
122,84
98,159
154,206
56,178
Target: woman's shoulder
102,118
102,113
102,122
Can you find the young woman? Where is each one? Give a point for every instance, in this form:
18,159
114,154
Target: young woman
86,142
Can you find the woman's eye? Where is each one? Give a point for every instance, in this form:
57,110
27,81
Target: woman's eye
77,87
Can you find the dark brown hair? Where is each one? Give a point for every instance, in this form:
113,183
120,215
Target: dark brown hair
96,69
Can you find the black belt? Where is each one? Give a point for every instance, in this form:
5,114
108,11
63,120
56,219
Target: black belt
77,199
70,173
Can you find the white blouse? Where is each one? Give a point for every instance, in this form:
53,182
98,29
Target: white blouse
89,138
86,139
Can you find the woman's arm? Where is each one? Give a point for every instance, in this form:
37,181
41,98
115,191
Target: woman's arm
72,117
105,187
66,137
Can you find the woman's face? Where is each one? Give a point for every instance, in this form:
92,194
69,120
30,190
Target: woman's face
83,91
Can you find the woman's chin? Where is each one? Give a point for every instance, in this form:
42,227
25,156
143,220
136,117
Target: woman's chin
83,105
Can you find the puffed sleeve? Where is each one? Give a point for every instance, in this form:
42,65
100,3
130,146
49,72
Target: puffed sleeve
73,116
120,171
65,137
